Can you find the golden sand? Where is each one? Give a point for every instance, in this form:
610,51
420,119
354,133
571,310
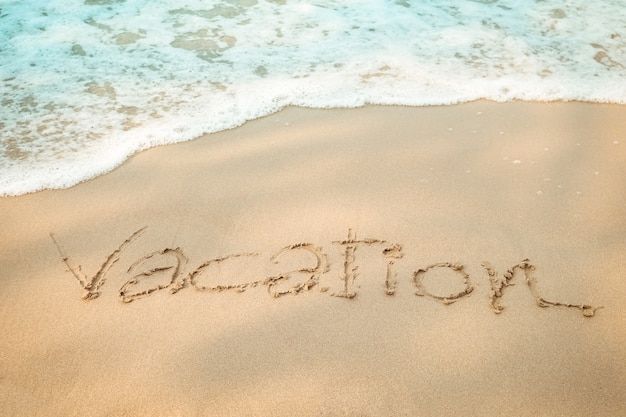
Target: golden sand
381,261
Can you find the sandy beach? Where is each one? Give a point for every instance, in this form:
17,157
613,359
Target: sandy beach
347,262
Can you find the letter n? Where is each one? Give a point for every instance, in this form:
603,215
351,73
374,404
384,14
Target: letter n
499,284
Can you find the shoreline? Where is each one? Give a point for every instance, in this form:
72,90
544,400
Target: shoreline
278,269
316,109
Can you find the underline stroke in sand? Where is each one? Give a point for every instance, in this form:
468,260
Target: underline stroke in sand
171,275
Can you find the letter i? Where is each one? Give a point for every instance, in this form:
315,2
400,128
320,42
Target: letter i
393,252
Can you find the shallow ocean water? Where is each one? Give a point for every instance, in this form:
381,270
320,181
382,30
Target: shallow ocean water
84,84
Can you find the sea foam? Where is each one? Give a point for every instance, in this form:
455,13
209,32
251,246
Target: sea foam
85,84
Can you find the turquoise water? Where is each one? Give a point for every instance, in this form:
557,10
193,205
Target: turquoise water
85,84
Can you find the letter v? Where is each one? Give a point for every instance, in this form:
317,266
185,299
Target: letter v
91,286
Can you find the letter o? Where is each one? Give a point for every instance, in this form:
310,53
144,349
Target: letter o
418,277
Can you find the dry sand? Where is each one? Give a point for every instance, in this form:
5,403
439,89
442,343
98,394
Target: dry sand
278,269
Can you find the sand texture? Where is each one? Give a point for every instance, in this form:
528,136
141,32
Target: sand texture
382,261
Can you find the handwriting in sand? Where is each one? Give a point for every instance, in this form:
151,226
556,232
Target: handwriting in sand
172,275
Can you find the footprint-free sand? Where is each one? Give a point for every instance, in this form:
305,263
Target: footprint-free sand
381,261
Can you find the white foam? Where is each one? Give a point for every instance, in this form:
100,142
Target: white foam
85,85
